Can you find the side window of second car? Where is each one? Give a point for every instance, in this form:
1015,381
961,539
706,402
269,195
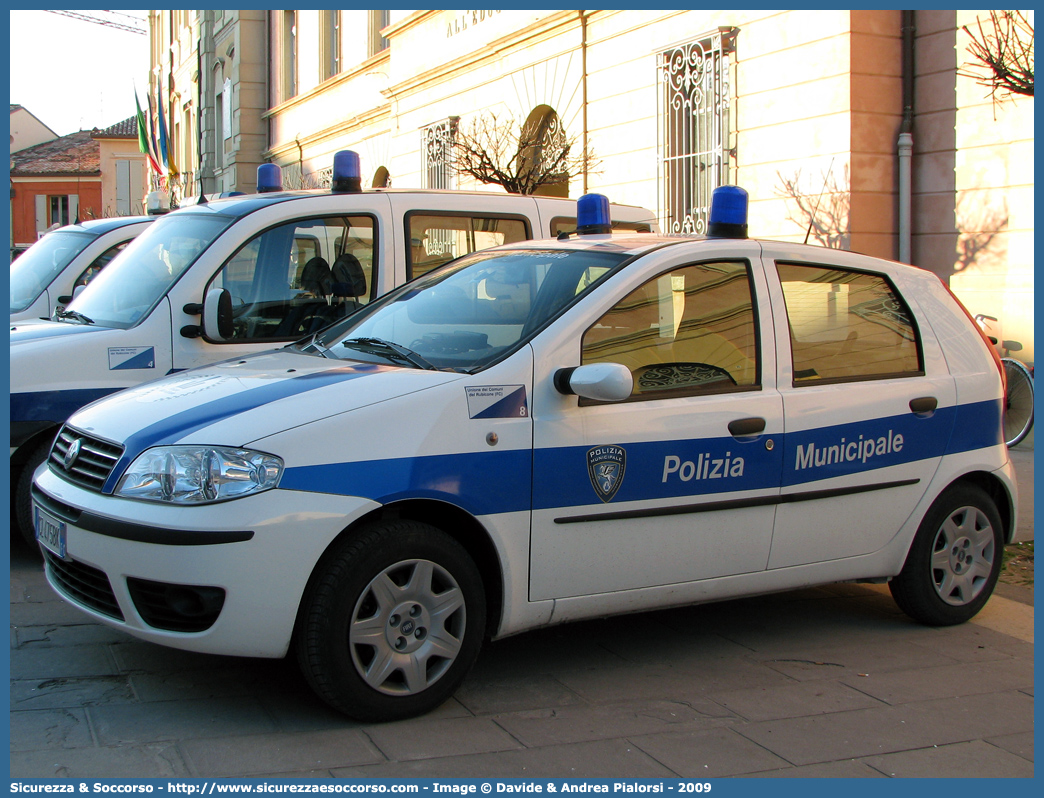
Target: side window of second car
292,280
847,325
99,263
439,238
692,330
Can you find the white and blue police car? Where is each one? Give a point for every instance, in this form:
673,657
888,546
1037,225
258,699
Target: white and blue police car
539,433
229,276
44,277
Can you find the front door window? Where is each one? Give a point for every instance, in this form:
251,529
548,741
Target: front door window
292,280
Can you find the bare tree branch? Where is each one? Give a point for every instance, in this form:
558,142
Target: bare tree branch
978,226
824,215
1003,53
519,157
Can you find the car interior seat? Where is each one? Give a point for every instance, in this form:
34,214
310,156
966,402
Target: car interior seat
349,280
317,278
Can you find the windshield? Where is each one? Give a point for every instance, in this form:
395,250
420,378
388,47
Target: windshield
470,314
35,268
127,290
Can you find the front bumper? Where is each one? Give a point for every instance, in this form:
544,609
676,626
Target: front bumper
272,542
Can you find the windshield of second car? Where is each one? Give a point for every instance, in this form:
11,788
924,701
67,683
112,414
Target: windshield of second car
35,268
471,313
128,289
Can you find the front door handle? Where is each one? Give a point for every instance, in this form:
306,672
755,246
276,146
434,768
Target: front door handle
924,404
745,427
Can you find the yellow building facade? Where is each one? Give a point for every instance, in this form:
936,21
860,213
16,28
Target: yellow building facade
804,109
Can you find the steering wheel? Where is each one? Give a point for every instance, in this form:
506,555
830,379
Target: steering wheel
665,376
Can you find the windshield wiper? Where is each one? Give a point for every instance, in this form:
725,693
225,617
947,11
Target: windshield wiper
72,314
389,350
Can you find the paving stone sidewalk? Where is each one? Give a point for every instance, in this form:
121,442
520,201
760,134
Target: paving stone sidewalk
824,682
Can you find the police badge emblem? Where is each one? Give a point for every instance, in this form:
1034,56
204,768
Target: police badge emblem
605,466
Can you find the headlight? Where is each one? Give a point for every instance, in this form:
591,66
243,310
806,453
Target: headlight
198,474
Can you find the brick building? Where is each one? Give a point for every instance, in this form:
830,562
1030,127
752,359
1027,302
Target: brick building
55,182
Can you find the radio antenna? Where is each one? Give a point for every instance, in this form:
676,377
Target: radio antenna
812,219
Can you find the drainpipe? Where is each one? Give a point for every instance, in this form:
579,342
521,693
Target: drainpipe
905,143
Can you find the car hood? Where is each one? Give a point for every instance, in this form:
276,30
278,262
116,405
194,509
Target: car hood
241,400
29,330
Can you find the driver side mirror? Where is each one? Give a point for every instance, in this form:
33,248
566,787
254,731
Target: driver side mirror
217,315
603,382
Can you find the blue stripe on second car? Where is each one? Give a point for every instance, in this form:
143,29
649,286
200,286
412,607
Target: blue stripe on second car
54,406
172,428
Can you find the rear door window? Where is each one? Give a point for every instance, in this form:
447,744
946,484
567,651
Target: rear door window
847,325
437,238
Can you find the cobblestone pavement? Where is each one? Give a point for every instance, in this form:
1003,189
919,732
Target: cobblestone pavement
830,681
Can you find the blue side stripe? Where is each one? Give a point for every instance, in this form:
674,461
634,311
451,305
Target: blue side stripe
54,406
173,427
863,446
702,466
979,425
490,482
483,483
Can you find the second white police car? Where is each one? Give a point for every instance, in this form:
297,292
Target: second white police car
540,433
228,276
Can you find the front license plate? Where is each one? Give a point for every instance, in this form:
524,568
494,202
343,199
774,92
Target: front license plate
50,532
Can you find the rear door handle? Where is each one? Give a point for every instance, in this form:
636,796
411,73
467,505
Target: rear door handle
924,404
745,427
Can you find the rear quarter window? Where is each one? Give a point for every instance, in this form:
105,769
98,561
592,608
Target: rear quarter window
847,325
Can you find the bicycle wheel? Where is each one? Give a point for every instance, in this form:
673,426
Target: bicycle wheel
1018,406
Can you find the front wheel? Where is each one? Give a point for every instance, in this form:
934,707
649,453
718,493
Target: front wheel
23,495
392,621
954,561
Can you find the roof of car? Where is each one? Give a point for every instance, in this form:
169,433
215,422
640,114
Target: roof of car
100,226
634,244
243,204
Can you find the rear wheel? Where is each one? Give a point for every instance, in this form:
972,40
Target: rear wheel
954,561
1018,404
392,622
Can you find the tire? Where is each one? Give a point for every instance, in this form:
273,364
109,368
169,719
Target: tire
1018,402
391,622
23,502
954,561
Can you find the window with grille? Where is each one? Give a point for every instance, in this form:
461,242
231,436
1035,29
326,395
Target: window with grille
695,102
437,146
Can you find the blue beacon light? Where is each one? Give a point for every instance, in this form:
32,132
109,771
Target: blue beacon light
592,215
347,173
269,178
728,213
